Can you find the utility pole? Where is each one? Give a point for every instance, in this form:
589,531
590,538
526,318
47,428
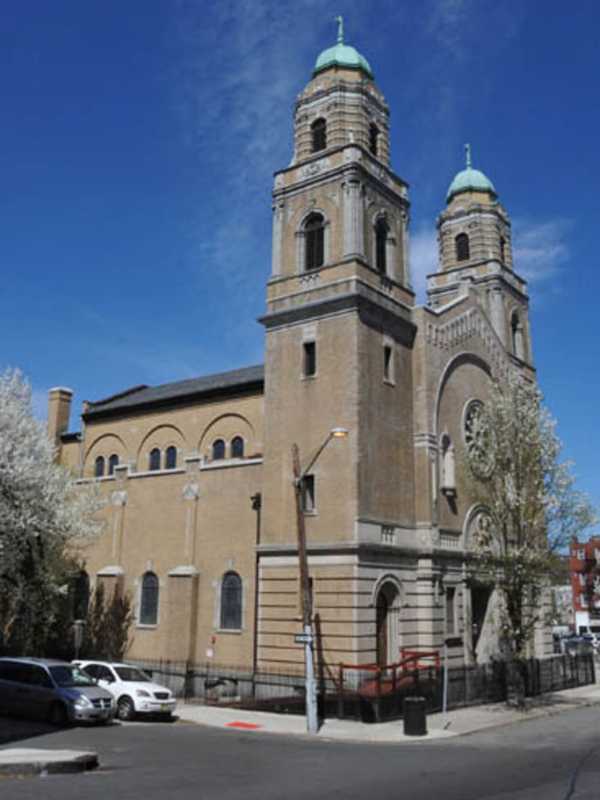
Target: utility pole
312,723
307,636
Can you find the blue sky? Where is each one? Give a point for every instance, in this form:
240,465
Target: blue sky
136,158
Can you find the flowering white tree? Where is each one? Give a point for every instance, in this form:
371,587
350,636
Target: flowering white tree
44,520
534,508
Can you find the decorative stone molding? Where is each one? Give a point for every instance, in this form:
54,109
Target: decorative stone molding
314,168
111,571
118,498
309,278
184,571
471,323
193,462
191,491
388,534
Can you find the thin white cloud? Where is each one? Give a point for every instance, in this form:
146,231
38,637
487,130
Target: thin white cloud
39,404
237,112
423,258
540,248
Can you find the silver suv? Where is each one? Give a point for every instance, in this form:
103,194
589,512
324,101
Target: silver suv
52,690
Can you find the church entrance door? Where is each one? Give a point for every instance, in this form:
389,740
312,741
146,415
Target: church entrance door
386,624
382,629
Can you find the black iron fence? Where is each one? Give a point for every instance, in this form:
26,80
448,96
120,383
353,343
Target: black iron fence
370,693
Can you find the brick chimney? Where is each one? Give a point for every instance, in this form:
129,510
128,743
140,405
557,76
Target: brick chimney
59,411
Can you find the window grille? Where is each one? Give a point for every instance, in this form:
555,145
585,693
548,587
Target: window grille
319,135
231,601
149,600
314,233
462,247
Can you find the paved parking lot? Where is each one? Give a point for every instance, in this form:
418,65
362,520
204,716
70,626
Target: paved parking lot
536,760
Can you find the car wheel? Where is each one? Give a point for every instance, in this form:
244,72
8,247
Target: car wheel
58,715
125,709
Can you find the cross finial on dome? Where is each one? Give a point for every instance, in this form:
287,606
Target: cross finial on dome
340,33
468,155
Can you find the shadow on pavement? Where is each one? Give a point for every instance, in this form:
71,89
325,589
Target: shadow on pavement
13,730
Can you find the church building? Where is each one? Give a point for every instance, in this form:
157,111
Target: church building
197,474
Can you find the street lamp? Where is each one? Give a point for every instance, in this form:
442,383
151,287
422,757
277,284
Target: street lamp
307,637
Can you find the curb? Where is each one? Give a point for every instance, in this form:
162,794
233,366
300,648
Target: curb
38,765
323,736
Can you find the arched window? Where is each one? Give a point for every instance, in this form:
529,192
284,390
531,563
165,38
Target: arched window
231,601
149,600
113,462
171,457
314,233
319,135
373,137
99,467
237,447
462,247
502,250
218,449
154,459
80,588
518,344
381,236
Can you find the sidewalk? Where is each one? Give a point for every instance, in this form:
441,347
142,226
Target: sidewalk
458,722
32,761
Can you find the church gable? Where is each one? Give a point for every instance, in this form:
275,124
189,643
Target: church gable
468,326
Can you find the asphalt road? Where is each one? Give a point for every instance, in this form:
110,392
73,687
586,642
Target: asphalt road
556,758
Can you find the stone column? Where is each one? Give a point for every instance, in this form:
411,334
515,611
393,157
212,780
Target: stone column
353,218
190,498
118,501
391,260
278,209
406,277
182,614
497,313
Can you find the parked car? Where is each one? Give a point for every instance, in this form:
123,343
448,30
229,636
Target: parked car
54,690
577,645
133,690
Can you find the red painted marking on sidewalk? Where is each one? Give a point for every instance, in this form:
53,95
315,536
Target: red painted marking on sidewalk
249,726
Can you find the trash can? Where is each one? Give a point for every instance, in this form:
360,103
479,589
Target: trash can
415,721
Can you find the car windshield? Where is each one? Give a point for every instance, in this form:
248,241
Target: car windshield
128,674
66,675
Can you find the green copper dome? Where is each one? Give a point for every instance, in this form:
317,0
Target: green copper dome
470,179
342,55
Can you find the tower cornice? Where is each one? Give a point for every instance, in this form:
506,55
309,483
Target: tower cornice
336,162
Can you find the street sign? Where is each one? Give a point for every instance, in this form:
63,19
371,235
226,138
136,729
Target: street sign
303,638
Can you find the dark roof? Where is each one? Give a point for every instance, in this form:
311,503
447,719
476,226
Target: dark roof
70,436
223,383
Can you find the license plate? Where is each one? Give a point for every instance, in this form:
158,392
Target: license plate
164,707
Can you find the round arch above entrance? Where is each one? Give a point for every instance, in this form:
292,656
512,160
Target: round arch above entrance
387,602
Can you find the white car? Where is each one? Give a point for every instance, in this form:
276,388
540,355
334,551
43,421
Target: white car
134,691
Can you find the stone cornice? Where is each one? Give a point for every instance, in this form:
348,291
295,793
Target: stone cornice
372,314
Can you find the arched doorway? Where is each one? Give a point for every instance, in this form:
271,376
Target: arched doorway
386,624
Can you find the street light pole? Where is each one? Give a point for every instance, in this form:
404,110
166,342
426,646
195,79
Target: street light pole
312,724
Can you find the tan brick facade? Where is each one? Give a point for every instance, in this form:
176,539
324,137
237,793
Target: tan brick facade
389,530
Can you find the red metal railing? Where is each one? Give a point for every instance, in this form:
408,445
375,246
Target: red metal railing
387,679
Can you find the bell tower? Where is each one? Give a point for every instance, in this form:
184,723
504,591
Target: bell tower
339,203
339,336
475,250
